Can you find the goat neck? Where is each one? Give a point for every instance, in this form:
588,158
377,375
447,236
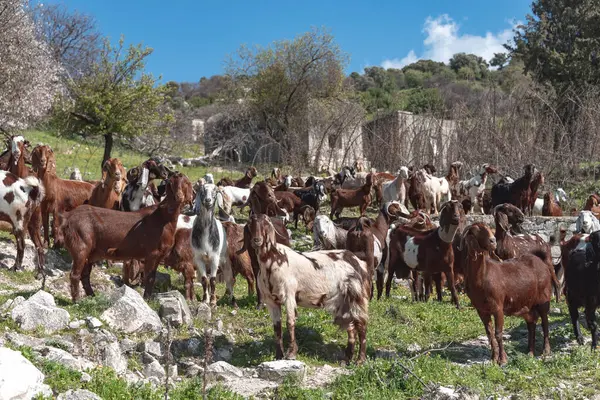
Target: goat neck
447,233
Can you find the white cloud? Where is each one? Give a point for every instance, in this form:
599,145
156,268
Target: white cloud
443,40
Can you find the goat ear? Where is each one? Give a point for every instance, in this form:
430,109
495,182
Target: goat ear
502,220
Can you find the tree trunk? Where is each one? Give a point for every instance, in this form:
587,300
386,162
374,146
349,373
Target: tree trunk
108,145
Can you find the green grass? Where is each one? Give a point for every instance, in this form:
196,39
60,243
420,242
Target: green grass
87,156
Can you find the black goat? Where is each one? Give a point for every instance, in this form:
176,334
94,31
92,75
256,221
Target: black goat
582,277
515,193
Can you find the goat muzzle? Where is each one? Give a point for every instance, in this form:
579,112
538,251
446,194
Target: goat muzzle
257,242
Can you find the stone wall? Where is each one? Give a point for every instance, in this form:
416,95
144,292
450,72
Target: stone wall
546,227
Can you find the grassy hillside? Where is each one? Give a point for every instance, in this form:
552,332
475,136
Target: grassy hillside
87,156
412,347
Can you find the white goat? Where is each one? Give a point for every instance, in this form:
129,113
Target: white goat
209,244
586,223
237,196
559,194
327,235
336,280
432,190
474,187
18,199
395,190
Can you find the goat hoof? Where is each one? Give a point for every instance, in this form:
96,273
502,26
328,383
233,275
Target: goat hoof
580,340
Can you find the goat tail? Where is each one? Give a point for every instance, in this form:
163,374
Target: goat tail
362,224
35,190
351,303
547,259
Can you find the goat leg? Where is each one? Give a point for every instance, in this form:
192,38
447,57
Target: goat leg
290,309
590,317
20,239
574,313
379,280
543,310
498,329
275,312
361,327
351,343
188,276
150,266
85,279
428,283
46,225
450,277
229,281
213,296
204,281
487,323
531,335
437,279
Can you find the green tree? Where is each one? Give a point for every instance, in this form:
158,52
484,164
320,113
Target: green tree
560,42
279,82
116,98
424,100
499,60
559,46
415,78
477,64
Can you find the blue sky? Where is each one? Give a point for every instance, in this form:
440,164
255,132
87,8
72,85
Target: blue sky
192,38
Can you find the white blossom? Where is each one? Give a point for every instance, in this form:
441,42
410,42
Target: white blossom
29,77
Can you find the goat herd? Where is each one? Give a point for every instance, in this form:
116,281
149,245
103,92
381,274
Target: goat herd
126,217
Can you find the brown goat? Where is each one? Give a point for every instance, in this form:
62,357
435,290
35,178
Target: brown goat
551,208
343,198
592,202
262,200
536,182
429,252
93,234
181,259
521,286
513,246
281,236
416,192
107,193
292,204
240,260
246,180
62,195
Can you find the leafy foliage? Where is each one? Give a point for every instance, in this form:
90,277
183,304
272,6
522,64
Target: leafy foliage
116,98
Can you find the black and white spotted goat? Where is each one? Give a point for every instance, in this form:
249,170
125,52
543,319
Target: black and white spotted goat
209,244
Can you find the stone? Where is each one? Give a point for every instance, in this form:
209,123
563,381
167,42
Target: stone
129,313
76,324
79,394
219,325
154,369
19,378
152,348
278,370
222,371
203,312
85,377
40,310
111,356
11,303
93,322
19,340
190,369
65,358
128,346
192,347
555,310
174,308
